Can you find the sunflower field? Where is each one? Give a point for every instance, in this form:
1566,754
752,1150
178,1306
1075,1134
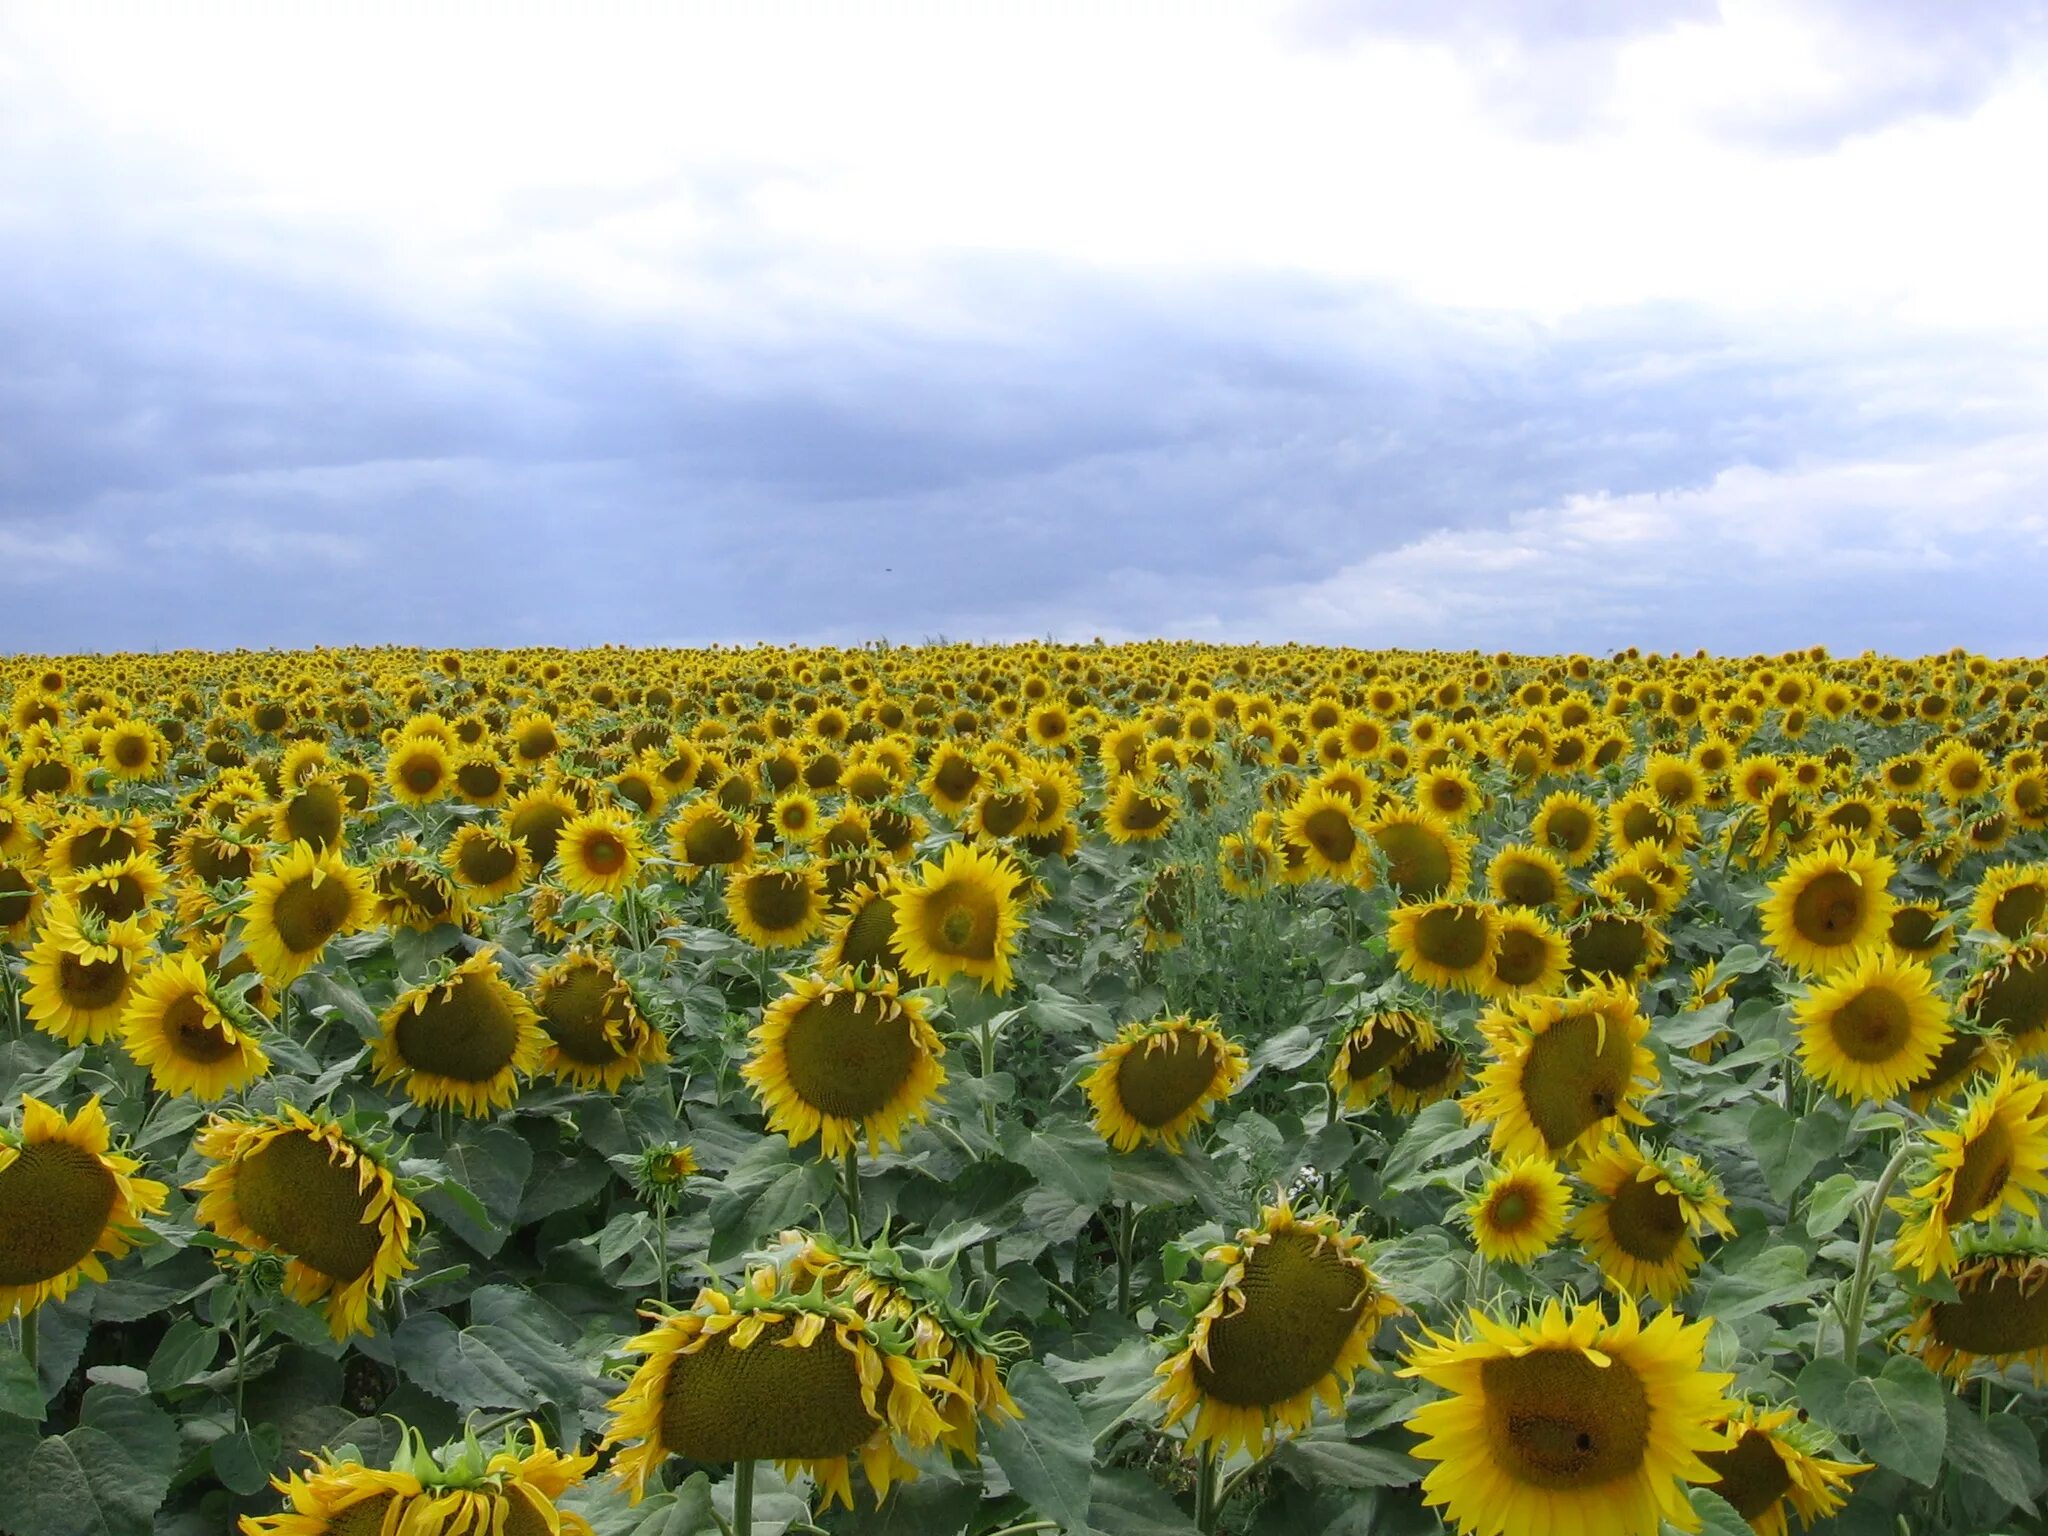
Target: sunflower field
977,1091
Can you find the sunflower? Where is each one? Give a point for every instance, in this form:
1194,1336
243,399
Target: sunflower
488,863
2000,1311
1827,905
1424,1075
1156,1081
1324,823
1519,1213
21,902
1777,1468
1139,812
860,935
308,1191
1920,930
314,812
951,780
1419,854
882,1286
419,770
79,974
2011,996
1873,1027
1445,943
1615,946
67,1202
1569,825
415,892
1288,1321
298,903
1447,790
960,916
1523,875
87,839
1566,1071
777,906
536,818
465,1040
1530,956
338,1497
599,853
770,1373
843,1060
598,1036
462,1491
705,836
194,1039
1645,882
1569,1422
1371,1049
2011,900
1992,1157
123,891
1643,1221
1246,864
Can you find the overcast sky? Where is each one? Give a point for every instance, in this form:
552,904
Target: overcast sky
1499,323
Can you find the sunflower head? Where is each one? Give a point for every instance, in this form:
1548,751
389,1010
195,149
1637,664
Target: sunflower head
1646,1211
1370,1049
488,863
777,906
706,836
1990,1155
1873,1027
68,1202
777,1371
1418,854
464,1040
2010,996
1827,905
1518,1214
1282,1319
598,1035
318,1195
414,891
860,936
1999,1315
599,853
1567,1421
960,915
1779,1467
1156,1081
1568,825
845,1059
1566,1072
1445,943
196,1033
298,903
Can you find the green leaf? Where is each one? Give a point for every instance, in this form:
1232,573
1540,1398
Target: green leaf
1065,1154
104,1478
243,1460
1439,1129
469,1367
1047,1454
1999,1451
1126,1501
490,1164
21,1395
187,1350
1770,1279
1897,1416
1326,1461
1286,1051
1717,1516
1832,1202
1789,1149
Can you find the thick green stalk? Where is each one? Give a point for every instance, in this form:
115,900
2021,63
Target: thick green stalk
1859,1285
743,1498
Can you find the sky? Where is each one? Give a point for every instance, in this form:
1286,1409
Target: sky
1543,325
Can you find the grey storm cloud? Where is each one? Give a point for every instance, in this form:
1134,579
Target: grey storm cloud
201,451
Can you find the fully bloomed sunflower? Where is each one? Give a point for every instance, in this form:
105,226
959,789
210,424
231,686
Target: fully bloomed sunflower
1519,1212
1992,1156
844,1060
80,973
777,906
781,1372
1568,1421
68,1202
193,1036
598,1035
1873,1027
464,1040
1566,1071
1418,854
600,852
1445,943
1828,905
860,934
1159,1079
960,915
1643,1222
299,903
1778,1469
465,1490
316,1195
1286,1319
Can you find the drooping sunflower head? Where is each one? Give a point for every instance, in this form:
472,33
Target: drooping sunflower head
1156,1081
1525,875
1519,1212
960,915
1615,946
315,1194
85,839
2011,900
1921,930
1567,1421
464,1040
1827,905
412,890
1139,811
488,863
845,1060
194,1034
337,1495
1418,854
21,902
1875,1026
706,836
598,1035
1566,1071
1371,1049
777,906
860,935
771,1372
68,1202
599,853
2000,1314
1325,823
298,903
2010,996
1247,864
1645,1215
1991,1155
1445,943
536,818
1530,956
1285,1319
312,811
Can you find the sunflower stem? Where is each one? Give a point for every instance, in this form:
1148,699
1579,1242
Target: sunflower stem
661,1249
1205,1492
852,1192
1859,1285
1126,1233
31,1343
743,1498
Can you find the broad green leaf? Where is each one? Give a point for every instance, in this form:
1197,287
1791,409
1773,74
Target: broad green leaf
1066,1154
243,1461
21,1395
2000,1451
1717,1516
1897,1417
187,1350
1047,1454
1788,1149
1832,1202
1769,1279
104,1478
491,1164
1322,1459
